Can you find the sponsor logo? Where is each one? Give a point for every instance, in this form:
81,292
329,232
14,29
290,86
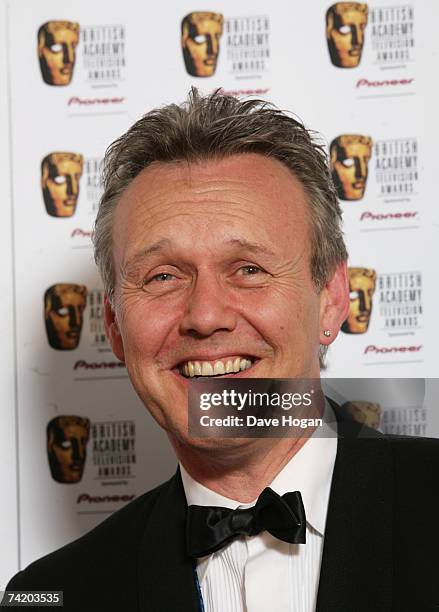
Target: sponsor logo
103,499
80,233
57,41
385,83
361,289
81,364
405,421
64,305
380,350
349,157
345,28
96,318
113,446
102,53
396,167
400,300
367,413
67,438
60,176
370,216
391,32
76,101
246,42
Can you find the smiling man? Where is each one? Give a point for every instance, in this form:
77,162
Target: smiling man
219,243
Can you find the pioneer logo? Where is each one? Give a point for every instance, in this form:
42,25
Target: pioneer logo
75,101
370,216
97,365
103,499
80,233
372,348
375,84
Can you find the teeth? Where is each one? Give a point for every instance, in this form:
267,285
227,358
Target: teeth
197,368
206,369
217,368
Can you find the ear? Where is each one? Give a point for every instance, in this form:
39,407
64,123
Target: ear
334,304
112,330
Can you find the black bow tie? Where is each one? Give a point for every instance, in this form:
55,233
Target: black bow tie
209,528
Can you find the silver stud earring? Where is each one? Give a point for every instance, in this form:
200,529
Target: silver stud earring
327,333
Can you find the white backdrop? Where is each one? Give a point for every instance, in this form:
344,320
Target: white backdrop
129,60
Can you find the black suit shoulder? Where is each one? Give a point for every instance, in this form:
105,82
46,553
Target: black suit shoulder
100,561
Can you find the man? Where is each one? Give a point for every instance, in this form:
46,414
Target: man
218,241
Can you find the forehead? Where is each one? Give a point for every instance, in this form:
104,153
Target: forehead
355,146
248,197
69,296
350,14
61,34
66,164
360,280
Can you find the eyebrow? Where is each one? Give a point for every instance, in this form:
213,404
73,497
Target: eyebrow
162,244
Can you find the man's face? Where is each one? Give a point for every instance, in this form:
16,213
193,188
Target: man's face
213,277
200,38
66,446
362,288
345,25
350,155
60,175
64,305
57,42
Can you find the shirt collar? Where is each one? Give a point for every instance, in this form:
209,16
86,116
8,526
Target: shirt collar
308,471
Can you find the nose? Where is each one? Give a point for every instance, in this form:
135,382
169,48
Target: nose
355,35
359,168
68,54
212,45
364,301
70,185
76,451
208,309
73,318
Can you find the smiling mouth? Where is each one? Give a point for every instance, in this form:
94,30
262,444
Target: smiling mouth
218,367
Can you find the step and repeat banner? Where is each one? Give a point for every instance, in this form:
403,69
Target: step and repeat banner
77,441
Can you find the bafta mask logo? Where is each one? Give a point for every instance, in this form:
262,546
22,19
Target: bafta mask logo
67,438
350,155
57,42
60,175
367,413
200,39
345,25
64,305
361,287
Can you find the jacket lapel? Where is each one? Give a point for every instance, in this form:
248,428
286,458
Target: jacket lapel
165,572
356,571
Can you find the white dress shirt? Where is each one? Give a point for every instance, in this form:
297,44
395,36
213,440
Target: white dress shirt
261,573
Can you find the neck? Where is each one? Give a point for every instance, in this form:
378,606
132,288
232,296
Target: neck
239,472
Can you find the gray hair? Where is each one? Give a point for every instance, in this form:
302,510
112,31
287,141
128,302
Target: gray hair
214,127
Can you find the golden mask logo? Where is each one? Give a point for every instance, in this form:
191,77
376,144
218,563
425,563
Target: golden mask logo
57,42
366,413
345,25
200,41
350,155
362,287
64,304
67,438
60,175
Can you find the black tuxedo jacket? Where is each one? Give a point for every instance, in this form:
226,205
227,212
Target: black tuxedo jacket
381,546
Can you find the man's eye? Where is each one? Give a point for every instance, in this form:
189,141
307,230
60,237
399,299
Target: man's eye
250,270
163,276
